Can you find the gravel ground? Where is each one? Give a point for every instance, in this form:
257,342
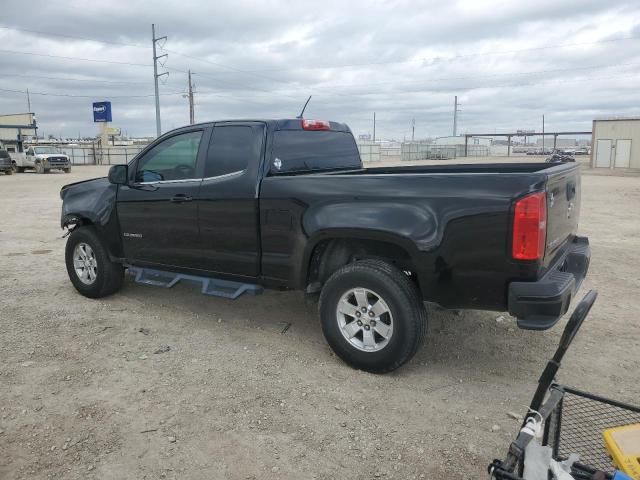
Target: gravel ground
85,393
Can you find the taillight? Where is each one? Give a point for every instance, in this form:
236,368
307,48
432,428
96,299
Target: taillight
530,227
315,125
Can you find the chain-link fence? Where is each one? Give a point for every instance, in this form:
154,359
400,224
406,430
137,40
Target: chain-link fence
116,154
96,155
416,151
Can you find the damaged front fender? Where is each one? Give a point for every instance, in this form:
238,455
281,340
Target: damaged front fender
93,202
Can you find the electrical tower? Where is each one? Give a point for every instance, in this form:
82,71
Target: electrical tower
374,127
156,75
190,96
455,115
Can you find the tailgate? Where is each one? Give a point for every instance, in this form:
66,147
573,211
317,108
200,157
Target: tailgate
563,208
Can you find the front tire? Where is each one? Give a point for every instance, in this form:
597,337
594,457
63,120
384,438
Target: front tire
67,170
9,171
372,316
90,270
40,168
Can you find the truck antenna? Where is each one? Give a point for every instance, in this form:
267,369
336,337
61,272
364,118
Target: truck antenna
303,108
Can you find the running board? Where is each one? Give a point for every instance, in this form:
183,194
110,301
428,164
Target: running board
210,286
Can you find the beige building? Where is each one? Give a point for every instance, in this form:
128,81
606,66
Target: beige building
616,143
15,129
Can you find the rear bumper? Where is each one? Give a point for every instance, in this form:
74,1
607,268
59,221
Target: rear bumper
539,305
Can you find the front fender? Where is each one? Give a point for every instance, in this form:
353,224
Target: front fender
93,202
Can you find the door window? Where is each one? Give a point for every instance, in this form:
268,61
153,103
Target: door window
232,148
172,159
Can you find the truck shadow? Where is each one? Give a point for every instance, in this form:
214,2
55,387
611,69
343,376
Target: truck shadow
468,343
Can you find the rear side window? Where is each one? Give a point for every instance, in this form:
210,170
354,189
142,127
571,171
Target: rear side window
295,150
233,148
4,154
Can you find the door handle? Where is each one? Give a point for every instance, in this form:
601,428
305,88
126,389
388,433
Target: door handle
181,197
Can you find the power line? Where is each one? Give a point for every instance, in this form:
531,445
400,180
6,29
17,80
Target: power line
446,59
70,79
50,94
76,37
115,62
236,84
477,87
492,75
224,82
256,72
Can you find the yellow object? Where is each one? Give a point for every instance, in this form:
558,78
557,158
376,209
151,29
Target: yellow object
623,445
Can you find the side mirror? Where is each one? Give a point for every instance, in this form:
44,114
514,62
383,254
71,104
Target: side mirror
118,174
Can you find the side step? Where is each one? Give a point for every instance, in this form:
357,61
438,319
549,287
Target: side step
210,286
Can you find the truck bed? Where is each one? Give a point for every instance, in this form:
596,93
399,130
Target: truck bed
455,220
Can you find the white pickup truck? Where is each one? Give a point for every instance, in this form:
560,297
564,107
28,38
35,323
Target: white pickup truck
42,159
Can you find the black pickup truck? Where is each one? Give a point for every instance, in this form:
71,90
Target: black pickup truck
288,204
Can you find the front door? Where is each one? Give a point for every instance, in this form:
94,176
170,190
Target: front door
157,212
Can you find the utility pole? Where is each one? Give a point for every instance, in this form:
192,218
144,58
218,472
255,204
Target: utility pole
543,134
413,129
374,127
156,75
191,112
28,102
455,115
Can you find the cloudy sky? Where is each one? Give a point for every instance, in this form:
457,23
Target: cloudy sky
508,62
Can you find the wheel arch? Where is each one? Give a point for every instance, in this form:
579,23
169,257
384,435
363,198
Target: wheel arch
328,250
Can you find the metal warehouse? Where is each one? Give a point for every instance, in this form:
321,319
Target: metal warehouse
616,143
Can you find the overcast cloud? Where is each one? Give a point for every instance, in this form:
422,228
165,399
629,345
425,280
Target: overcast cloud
508,62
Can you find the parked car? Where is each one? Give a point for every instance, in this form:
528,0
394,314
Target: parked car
5,162
42,159
287,204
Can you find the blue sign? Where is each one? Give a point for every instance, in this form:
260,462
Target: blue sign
101,111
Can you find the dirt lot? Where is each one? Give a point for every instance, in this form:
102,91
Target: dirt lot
83,395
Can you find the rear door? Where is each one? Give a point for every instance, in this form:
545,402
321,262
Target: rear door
563,207
158,210
228,208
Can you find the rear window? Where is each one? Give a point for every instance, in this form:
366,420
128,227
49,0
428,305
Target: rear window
299,150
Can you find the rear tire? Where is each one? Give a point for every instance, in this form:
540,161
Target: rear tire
385,289
18,169
84,250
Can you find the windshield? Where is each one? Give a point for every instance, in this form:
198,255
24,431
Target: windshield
46,150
